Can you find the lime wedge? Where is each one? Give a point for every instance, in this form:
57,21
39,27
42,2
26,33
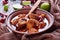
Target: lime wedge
17,6
6,7
45,6
26,2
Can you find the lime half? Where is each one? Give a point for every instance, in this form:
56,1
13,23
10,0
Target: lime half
45,6
26,2
6,7
17,6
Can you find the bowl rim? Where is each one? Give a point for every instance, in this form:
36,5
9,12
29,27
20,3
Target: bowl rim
50,25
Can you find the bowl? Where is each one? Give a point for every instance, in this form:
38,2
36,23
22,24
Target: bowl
49,17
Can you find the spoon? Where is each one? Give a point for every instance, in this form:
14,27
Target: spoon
33,8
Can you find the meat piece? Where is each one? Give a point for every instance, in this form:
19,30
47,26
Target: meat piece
32,23
34,16
22,29
14,22
41,17
32,30
21,15
36,22
38,17
42,25
21,23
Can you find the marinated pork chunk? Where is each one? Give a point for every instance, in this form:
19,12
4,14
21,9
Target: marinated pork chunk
32,25
14,22
32,30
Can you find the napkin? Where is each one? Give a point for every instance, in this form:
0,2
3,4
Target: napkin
47,36
3,28
55,10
